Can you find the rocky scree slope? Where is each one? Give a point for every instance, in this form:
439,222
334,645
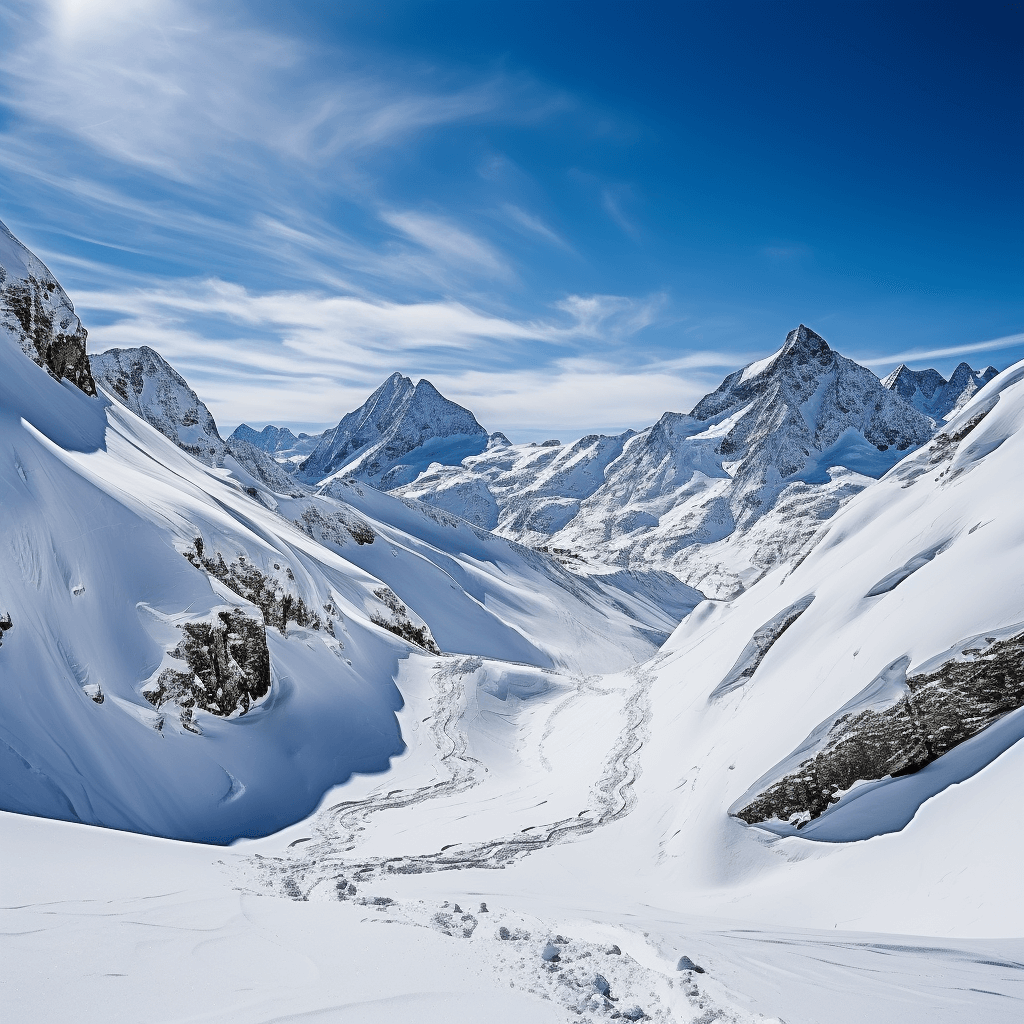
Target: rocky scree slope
37,314
929,392
400,429
717,496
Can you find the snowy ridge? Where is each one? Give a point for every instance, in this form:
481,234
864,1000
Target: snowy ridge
718,496
929,392
400,429
143,381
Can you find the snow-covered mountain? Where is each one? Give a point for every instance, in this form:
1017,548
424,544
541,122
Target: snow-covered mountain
278,442
36,313
394,435
929,392
143,381
188,651
542,812
717,496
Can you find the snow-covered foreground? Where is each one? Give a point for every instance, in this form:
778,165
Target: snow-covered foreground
312,925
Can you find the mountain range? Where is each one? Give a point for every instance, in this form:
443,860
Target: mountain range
470,727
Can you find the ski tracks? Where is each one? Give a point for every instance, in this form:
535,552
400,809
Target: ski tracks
328,856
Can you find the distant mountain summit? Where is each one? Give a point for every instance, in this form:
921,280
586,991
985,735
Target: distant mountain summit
279,442
395,434
717,495
929,392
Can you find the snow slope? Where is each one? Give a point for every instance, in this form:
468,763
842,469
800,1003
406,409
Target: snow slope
718,496
189,652
630,784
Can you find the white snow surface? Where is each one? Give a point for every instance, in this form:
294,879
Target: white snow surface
98,510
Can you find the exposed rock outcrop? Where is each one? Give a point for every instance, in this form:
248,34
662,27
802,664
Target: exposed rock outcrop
896,726
228,667
36,312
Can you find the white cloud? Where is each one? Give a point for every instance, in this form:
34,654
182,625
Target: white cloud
918,355
453,245
534,225
612,198
309,357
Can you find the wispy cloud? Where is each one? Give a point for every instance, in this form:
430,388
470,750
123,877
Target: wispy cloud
453,245
300,356
613,198
534,225
919,355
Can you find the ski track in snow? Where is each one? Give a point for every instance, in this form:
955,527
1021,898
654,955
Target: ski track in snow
591,981
612,795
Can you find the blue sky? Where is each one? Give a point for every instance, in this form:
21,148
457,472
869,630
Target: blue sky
569,216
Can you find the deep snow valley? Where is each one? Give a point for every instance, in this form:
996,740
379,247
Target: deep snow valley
717,720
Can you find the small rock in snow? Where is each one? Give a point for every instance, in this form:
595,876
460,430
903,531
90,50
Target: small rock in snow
483,908
686,964
601,985
634,1013
551,953
614,951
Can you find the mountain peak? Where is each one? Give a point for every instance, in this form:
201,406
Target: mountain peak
802,338
400,429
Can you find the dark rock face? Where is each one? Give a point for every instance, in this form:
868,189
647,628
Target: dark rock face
5,624
758,646
40,316
228,667
279,607
397,621
936,711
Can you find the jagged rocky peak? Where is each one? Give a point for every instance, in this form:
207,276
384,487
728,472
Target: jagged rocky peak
269,439
808,389
279,442
929,392
146,383
395,434
37,314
